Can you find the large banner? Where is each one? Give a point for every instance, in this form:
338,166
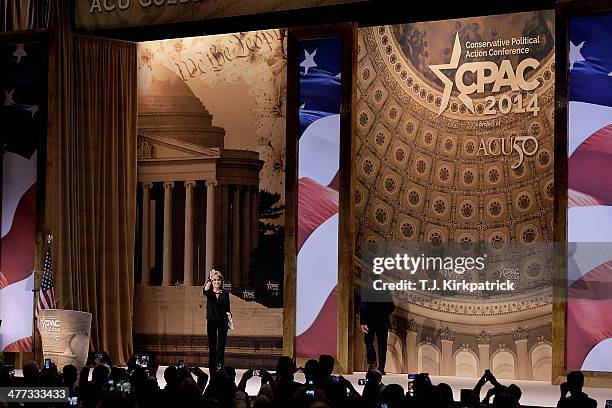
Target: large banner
454,192
589,233
211,167
318,198
24,95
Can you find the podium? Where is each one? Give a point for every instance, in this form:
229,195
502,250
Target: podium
65,336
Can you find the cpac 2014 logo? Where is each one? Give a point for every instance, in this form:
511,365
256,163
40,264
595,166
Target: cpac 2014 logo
502,77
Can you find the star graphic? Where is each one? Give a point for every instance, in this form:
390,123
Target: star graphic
20,52
610,73
309,61
302,106
8,97
33,109
339,76
575,55
448,84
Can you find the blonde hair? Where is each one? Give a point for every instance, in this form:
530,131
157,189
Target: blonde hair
217,273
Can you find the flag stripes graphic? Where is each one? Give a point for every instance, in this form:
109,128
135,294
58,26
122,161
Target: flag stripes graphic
23,93
318,199
589,294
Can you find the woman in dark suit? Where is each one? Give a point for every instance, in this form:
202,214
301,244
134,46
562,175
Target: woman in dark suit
217,308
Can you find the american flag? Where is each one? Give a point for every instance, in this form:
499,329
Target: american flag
318,200
46,298
589,304
22,92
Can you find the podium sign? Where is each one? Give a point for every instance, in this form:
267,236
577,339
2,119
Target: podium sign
65,336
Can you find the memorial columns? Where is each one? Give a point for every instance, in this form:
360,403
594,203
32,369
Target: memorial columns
167,250
254,226
447,338
235,237
246,235
411,347
483,339
188,253
520,336
145,241
210,224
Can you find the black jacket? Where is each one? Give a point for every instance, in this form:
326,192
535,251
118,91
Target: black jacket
376,313
217,308
375,307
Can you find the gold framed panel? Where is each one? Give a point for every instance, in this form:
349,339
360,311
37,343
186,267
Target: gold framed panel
41,36
348,33
564,12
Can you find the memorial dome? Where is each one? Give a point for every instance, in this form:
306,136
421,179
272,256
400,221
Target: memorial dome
167,107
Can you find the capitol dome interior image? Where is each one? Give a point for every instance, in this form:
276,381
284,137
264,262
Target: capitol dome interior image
306,203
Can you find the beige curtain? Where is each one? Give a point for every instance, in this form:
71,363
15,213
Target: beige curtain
17,15
91,180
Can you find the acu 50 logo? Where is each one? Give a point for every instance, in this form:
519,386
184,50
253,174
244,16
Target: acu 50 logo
487,72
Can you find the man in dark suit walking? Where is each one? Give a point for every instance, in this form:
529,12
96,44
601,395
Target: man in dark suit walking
375,322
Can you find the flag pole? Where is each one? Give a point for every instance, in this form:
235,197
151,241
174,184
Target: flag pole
36,291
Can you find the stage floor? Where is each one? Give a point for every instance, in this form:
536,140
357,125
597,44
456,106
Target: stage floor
534,392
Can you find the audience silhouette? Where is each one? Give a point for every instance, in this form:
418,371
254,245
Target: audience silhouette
577,398
137,387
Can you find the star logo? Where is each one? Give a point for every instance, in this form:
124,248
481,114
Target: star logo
33,109
309,61
575,54
448,84
20,52
8,97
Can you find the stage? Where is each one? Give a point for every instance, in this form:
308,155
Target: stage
536,393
